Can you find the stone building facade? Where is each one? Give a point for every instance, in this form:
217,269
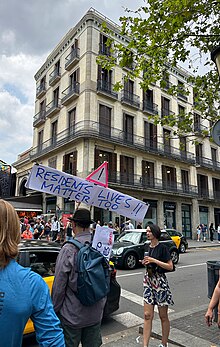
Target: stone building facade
80,122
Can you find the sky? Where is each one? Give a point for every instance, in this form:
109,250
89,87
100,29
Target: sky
29,31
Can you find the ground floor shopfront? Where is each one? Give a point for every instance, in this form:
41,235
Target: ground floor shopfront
167,211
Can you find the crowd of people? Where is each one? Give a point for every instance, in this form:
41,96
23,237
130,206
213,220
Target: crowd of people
203,231
64,320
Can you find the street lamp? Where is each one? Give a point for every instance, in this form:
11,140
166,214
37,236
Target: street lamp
215,56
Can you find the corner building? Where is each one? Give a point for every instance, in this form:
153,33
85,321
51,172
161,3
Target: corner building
80,122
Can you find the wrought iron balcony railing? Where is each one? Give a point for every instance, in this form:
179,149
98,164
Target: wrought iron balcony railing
150,107
104,49
54,76
130,99
41,90
106,88
152,184
72,58
39,118
53,107
113,135
70,93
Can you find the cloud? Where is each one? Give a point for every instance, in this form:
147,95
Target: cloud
29,31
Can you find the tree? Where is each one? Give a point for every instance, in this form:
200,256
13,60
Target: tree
162,34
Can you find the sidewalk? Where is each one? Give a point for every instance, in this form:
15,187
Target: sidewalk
187,328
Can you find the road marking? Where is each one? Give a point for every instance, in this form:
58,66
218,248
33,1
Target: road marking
128,319
130,274
137,299
192,265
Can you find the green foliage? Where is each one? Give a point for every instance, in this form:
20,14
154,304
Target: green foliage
163,34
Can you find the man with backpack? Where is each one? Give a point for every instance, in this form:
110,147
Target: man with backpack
81,322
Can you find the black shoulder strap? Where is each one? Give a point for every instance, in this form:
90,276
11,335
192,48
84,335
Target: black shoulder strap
74,242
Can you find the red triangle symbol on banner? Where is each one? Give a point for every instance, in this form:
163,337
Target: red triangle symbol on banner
99,175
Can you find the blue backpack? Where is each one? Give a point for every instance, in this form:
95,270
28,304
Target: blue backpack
93,282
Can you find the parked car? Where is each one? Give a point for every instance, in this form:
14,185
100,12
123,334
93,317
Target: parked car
41,257
183,241
130,246
174,237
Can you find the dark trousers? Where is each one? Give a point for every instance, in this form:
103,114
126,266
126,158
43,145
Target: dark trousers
88,336
54,234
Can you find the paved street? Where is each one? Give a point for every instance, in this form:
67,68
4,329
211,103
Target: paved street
189,287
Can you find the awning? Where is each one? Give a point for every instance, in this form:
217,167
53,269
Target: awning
26,203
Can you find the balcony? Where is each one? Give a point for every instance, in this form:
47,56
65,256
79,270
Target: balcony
54,77
41,90
207,163
182,96
70,93
166,112
130,99
199,128
104,49
52,108
39,118
106,88
153,184
203,194
95,130
72,59
150,107
166,84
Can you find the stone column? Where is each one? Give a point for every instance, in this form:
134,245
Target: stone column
160,214
179,216
195,218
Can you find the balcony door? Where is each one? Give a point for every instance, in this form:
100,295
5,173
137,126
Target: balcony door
102,156
128,128
150,135
147,173
105,121
202,183
185,180
72,121
70,163
54,132
169,178
126,170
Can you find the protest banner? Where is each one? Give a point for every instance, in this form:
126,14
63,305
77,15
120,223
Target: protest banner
103,240
52,181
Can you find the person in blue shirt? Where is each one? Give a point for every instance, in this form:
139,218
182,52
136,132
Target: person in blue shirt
23,293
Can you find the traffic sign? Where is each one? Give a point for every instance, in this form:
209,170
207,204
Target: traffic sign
100,175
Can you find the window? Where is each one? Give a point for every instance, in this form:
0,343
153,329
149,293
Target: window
165,103
104,79
54,132
42,108
202,182
43,262
52,162
199,153
57,67
126,170
216,188
129,90
214,155
167,140
150,135
104,48
105,120
70,163
56,97
147,173
169,177
74,79
185,180
165,83
40,140
197,122
111,158
181,91
72,120
128,128
183,147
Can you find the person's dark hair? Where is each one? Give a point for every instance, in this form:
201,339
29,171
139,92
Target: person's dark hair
155,230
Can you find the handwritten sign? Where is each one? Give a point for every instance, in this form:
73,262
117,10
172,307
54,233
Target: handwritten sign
52,181
103,240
